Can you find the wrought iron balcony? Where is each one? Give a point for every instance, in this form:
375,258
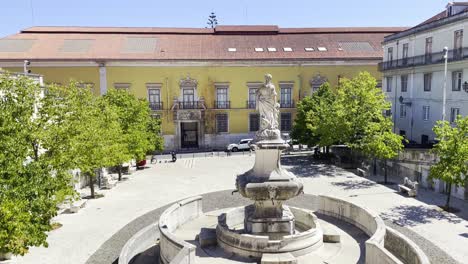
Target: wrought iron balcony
251,104
222,104
156,106
426,59
287,104
190,105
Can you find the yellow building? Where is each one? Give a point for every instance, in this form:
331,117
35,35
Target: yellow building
200,82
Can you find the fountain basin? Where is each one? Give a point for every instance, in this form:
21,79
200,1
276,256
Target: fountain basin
233,238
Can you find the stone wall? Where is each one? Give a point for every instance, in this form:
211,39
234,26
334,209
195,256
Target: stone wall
140,242
178,214
403,248
374,227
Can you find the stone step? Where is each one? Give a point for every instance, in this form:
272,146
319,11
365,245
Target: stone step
282,258
207,237
330,234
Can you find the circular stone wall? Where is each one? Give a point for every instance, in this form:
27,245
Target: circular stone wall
232,239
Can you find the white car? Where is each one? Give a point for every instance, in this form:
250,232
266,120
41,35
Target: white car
244,144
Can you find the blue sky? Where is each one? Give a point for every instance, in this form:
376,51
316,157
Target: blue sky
16,15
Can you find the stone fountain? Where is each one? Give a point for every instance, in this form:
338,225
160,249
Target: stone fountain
268,226
268,231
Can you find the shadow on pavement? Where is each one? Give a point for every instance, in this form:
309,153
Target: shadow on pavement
307,167
355,184
149,256
410,215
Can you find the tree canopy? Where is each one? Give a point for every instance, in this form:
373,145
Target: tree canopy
452,152
45,132
33,179
351,114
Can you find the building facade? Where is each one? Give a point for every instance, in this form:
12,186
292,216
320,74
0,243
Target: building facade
200,82
414,73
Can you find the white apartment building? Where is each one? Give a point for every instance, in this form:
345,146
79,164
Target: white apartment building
414,73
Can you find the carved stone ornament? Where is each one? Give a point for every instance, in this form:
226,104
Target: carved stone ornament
187,81
317,81
188,115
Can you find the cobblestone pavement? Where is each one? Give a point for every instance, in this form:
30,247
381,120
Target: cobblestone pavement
97,233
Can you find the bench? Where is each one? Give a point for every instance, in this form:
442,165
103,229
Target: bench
362,172
409,187
76,206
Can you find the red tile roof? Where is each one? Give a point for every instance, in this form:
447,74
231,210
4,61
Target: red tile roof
109,43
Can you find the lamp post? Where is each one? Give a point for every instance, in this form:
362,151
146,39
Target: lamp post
444,99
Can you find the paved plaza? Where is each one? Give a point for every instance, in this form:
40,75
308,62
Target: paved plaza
96,233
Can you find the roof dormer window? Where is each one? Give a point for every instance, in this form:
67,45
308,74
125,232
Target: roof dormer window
259,49
309,49
272,49
287,49
232,49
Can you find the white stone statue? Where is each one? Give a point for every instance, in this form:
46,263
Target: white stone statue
268,107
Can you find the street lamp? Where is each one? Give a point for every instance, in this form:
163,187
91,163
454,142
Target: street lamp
444,99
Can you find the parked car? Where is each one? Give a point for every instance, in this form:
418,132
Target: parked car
244,144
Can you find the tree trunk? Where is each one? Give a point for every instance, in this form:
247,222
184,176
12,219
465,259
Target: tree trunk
119,168
91,185
449,193
385,171
375,167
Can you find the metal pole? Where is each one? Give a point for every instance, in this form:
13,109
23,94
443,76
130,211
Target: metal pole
444,99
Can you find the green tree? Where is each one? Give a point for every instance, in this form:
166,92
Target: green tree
94,131
33,179
212,20
317,119
452,152
363,126
138,129
351,114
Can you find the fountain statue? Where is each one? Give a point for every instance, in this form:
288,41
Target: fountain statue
267,183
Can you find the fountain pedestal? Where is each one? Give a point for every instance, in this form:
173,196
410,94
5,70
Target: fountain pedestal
269,185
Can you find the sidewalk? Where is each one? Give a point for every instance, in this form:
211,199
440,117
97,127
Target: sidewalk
163,183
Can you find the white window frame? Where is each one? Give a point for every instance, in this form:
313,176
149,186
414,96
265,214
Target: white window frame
250,116
389,82
402,111
227,123
429,83
404,77
454,112
426,112
290,121
457,81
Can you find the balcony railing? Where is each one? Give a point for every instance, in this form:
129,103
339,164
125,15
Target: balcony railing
287,104
156,106
190,105
426,59
222,104
251,104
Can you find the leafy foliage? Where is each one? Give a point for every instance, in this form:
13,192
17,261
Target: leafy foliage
139,132
452,151
212,20
351,114
33,179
